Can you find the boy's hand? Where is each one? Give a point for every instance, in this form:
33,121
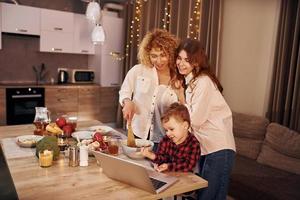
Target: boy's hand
147,153
161,168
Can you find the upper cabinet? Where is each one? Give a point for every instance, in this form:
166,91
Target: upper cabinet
20,19
0,26
82,35
57,28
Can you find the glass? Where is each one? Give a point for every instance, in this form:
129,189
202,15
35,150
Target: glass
113,146
73,122
45,158
61,142
41,120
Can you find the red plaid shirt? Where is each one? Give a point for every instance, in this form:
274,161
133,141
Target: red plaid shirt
182,157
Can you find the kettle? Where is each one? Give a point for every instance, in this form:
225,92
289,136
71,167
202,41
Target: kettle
62,76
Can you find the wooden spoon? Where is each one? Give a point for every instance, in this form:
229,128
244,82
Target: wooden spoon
130,137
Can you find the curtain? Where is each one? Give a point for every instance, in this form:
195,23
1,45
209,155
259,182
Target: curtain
284,103
153,15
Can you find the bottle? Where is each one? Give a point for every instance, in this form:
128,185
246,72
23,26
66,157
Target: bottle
83,156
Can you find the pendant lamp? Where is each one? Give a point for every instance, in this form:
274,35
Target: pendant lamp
98,35
93,12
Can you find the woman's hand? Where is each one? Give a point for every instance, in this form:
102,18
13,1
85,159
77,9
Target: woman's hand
128,110
179,90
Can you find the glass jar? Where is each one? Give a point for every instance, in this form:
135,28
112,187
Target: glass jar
41,120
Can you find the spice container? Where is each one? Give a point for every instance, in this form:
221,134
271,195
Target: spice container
73,156
84,156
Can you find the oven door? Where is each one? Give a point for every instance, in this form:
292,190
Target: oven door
20,108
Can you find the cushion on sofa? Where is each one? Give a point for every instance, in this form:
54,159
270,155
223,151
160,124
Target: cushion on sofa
281,149
247,126
251,180
249,148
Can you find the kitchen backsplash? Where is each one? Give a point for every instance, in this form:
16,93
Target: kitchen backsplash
19,53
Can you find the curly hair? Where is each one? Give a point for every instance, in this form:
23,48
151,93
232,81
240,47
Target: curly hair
160,39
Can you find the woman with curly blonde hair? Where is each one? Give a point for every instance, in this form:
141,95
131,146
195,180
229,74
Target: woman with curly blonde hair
147,90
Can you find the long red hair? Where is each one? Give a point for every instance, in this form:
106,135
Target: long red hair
198,59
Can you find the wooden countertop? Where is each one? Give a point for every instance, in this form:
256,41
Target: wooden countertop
63,182
20,85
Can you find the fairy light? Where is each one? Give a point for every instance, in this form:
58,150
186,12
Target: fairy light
194,28
135,26
167,16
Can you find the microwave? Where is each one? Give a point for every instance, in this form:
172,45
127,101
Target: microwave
82,76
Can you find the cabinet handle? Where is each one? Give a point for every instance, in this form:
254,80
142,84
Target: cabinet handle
84,51
115,84
56,49
58,29
21,30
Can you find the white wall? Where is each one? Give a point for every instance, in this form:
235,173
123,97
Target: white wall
247,43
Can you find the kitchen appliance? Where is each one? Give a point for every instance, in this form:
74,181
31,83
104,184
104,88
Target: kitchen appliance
62,75
21,103
82,76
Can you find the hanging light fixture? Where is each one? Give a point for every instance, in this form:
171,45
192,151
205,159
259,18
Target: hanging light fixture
93,11
98,35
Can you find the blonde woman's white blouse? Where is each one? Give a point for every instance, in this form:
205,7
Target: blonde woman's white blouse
211,117
142,87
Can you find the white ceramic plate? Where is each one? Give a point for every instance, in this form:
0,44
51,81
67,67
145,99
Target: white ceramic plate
28,141
102,129
83,135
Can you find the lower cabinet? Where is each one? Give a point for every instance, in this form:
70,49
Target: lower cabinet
2,106
61,101
88,103
85,102
108,104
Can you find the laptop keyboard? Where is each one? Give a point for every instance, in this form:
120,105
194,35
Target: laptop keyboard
157,183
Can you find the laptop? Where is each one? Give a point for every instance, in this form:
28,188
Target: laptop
134,174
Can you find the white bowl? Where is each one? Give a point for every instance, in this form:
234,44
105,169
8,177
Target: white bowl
134,152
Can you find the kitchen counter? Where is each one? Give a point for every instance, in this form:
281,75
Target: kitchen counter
48,85
63,182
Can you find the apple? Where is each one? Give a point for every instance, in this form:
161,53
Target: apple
98,137
61,122
68,129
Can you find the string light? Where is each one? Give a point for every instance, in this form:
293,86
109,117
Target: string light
194,22
167,16
135,26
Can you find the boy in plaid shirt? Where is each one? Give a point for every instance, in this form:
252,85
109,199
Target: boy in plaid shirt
179,150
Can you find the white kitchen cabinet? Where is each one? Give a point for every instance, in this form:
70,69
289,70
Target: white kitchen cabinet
20,19
57,29
0,26
54,20
56,42
82,35
108,70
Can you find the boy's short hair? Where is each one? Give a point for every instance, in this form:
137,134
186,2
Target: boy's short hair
178,111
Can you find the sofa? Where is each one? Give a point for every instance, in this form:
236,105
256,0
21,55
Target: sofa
267,164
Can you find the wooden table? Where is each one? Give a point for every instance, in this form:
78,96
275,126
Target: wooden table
63,182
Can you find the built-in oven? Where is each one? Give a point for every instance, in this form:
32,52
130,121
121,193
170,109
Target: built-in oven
21,103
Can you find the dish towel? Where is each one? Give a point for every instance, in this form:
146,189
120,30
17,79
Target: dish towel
12,150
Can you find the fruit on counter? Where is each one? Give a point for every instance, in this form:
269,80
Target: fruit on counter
98,137
53,128
48,143
68,130
61,122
